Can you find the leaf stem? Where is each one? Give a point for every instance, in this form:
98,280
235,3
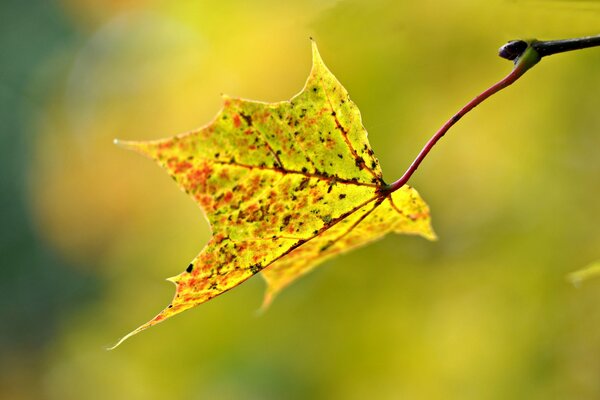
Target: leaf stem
525,54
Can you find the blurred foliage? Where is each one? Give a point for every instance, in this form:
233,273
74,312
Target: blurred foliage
88,228
589,272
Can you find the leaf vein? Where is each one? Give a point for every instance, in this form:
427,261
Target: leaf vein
268,145
395,207
358,159
326,178
325,228
355,224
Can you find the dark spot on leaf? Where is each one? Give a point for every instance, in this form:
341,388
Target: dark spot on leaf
190,268
246,118
255,269
342,196
304,183
340,156
360,163
326,246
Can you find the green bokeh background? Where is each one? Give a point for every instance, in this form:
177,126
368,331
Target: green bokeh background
89,231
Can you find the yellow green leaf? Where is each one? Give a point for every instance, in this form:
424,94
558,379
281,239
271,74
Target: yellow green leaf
284,186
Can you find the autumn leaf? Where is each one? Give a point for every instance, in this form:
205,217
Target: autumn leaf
284,186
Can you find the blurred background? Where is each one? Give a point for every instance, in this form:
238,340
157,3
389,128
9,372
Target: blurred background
90,231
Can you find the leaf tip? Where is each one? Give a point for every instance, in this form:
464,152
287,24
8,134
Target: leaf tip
319,69
127,144
111,348
430,234
315,51
578,277
574,280
267,300
161,316
142,147
124,338
227,99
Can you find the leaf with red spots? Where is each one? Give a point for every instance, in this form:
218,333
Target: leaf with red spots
284,186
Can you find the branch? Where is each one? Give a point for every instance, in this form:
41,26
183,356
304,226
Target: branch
525,54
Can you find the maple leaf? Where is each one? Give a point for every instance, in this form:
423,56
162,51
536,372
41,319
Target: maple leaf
284,186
